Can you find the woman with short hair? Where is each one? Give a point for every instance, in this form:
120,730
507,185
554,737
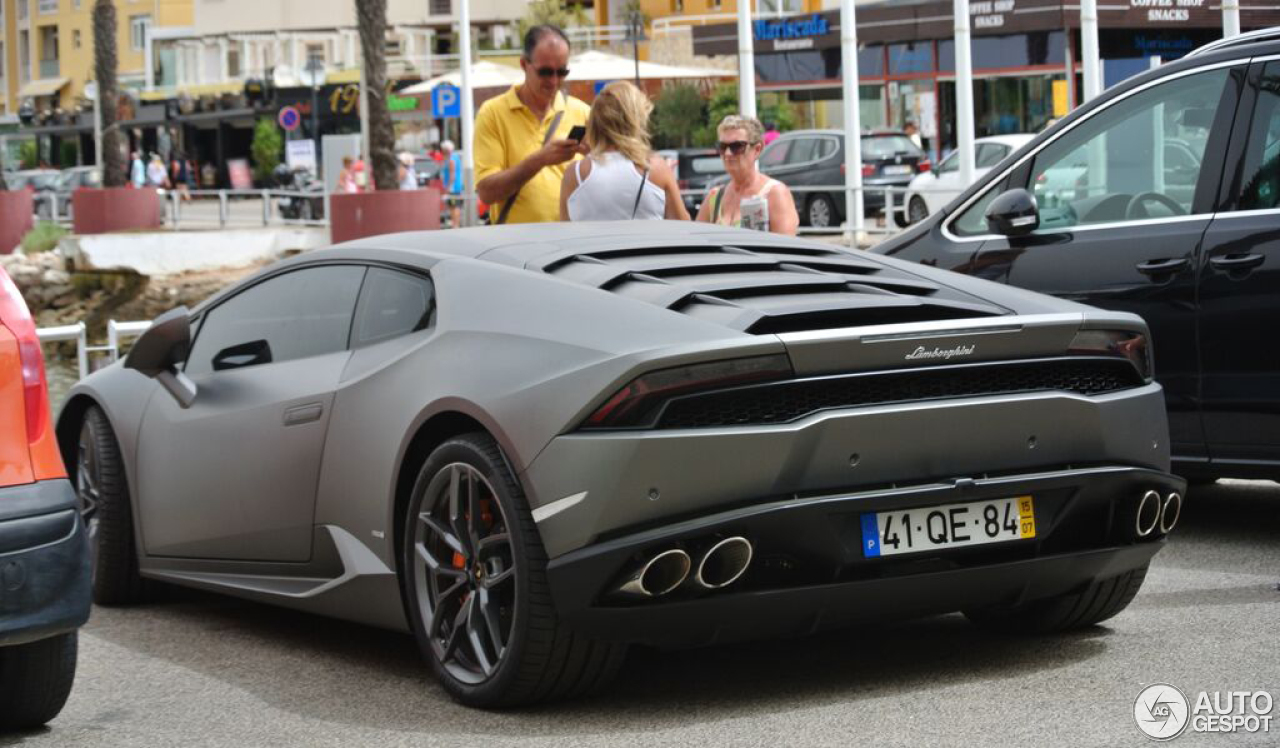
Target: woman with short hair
621,178
750,199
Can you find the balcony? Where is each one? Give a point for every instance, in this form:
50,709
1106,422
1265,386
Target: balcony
46,7
49,68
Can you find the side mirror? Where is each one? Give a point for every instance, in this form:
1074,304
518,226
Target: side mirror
1013,213
159,350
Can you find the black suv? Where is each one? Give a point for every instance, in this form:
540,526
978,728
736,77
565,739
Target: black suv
1160,197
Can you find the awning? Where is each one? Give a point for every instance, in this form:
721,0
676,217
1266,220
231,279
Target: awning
206,89
595,65
484,74
42,87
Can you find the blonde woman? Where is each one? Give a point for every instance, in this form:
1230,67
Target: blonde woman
621,178
750,199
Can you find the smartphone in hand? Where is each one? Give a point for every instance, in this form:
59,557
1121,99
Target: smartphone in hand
577,132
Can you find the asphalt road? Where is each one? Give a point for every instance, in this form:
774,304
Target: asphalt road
202,670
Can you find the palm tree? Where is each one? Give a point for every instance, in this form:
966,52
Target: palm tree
372,17
114,168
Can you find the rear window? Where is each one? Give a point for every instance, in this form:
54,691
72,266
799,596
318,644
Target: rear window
887,146
707,165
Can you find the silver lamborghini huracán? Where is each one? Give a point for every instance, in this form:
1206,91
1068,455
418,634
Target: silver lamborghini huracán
534,445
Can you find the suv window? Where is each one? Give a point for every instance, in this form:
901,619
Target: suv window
1261,183
1112,167
827,148
990,154
392,304
775,154
299,314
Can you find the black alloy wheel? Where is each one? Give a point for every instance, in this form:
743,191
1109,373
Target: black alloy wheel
475,584
103,495
465,574
88,480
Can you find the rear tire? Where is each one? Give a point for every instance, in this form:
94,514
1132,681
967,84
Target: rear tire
35,680
917,211
536,658
103,494
820,213
1074,610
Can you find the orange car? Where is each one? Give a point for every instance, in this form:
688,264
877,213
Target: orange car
44,554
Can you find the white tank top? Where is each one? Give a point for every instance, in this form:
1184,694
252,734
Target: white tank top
609,192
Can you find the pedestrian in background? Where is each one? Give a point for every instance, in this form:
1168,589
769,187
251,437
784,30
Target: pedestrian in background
521,143
157,176
138,171
451,176
770,133
622,177
750,199
346,184
405,175
913,134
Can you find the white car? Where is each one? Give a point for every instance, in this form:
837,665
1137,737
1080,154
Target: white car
931,190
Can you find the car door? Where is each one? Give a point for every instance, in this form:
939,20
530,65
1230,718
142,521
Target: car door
1239,284
1113,233
235,475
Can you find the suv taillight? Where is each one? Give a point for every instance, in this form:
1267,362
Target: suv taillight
923,165
14,315
639,404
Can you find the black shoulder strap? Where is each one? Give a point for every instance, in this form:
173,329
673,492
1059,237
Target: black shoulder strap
715,206
643,178
511,201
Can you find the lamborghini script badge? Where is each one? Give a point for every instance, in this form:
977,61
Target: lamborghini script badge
943,353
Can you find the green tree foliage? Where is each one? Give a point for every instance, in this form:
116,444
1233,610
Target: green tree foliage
679,112
67,154
553,12
29,154
265,148
724,101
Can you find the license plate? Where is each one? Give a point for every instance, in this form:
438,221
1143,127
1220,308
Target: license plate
894,170
947,526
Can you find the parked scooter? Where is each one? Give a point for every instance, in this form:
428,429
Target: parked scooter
308,208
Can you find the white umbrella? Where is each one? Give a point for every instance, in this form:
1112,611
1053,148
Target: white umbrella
483,75
602,66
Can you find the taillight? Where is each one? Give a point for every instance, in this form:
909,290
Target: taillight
639,403
923,165
868,170
1127,344
683,184
14,315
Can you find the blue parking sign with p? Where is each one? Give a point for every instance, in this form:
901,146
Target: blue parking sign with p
446,101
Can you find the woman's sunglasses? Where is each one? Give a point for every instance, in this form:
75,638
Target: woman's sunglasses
548,72
737,147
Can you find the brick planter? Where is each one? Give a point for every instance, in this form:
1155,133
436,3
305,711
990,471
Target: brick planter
99,211
372,213
15,218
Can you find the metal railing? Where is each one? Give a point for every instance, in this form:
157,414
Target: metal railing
204,208
116,332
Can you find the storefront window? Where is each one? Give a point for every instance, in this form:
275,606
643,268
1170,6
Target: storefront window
1015,51
1001,106
871,106
915,57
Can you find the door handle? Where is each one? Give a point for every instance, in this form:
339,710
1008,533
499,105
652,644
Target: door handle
1236,262
301,414
1162,267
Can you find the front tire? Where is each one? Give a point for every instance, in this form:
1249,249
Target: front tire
35,680
1096,603
476,585
103,495
917,211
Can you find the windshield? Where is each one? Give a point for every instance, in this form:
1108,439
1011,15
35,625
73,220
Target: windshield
707,165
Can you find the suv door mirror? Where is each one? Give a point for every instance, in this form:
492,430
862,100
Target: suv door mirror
158,352
1013,213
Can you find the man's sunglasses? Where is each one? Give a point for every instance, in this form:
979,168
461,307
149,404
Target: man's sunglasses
737,147
548,72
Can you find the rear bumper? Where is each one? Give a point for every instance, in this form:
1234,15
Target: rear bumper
809,573
44,562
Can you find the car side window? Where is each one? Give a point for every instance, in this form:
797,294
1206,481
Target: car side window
1260,187
827,148
803,151
1111,167
775,154
990,154
296,315
392,303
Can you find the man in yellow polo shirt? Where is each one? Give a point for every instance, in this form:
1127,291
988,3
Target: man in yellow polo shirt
519,159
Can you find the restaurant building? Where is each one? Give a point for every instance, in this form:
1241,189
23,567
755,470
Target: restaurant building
1026,58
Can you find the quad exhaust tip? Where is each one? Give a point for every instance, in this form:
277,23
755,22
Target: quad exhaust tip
1148,516
1170,512
723,563
657,576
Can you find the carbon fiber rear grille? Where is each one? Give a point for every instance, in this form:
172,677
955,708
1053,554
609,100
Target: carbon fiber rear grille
781,402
